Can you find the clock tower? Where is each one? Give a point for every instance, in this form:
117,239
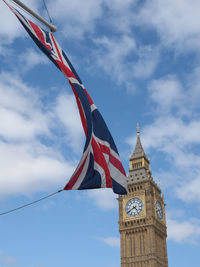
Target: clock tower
142,223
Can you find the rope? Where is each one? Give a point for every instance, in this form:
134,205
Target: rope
47,11
31,203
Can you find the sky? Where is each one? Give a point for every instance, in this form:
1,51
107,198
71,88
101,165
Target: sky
140,62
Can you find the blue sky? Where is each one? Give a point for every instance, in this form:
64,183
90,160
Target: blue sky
140,62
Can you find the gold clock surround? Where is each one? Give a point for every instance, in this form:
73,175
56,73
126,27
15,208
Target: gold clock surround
126,217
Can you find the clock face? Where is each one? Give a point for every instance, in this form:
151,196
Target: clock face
159,210
134,207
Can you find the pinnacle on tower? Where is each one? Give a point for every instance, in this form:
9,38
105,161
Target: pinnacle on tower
138,162
138,151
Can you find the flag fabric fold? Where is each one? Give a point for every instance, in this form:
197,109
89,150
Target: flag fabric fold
100,165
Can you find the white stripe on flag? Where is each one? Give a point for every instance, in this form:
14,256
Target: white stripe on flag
98,168
93,107
74,80
82,174
105,143
116,175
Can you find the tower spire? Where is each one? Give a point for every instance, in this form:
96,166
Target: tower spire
138,159
138,151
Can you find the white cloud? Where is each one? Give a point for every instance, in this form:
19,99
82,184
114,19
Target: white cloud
105,199
27,162
146,63
10,26
76,24
183,232
175,130
179,143
175,140
166,92
29,168
20,110
16,126
120,15
176,21
67,112
193,84
110,241
30,58
169,132
174,133
112,14
189,191
173,96
112,58
121,57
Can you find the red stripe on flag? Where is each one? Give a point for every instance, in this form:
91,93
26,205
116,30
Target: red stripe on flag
81,112
99,158
39,34
61,64
74,178
70,74
90,99
57,49
117,163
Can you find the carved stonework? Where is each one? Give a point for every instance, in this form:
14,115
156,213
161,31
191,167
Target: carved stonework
142,222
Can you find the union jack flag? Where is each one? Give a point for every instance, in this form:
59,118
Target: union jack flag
100,165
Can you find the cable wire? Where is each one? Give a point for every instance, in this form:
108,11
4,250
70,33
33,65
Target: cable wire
47,11
31,203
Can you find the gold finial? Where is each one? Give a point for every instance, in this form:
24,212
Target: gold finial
138,129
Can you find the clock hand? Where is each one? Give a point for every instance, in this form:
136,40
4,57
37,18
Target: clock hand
134,207
130,209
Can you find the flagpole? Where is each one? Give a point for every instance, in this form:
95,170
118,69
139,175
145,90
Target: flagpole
50,26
